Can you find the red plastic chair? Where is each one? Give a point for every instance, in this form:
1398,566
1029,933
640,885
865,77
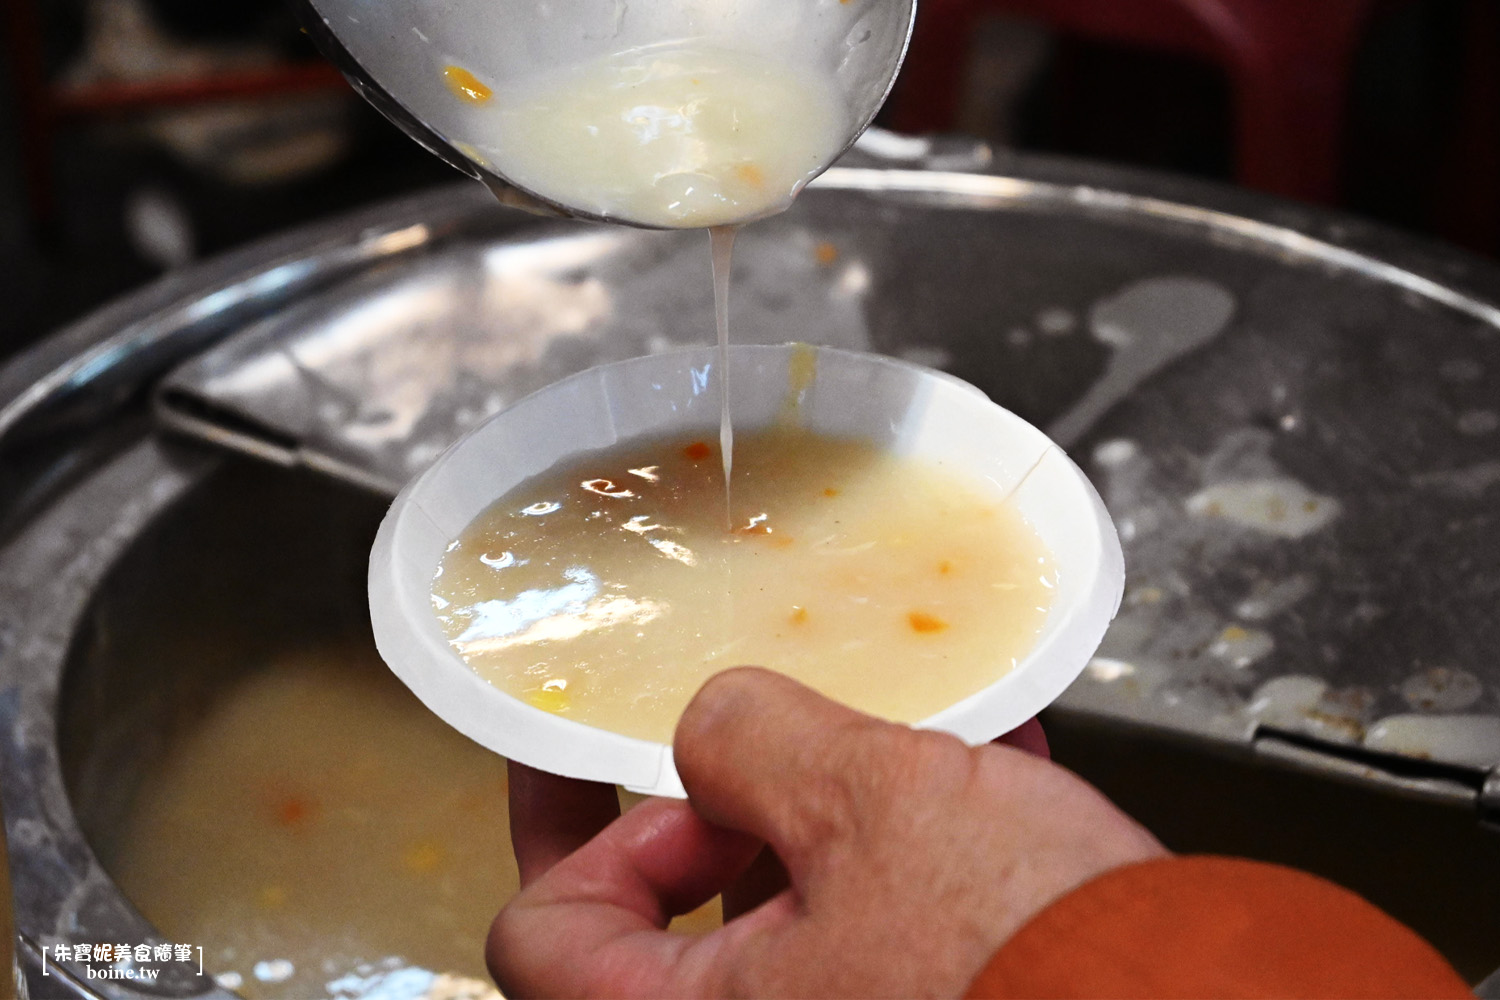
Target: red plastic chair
1288,64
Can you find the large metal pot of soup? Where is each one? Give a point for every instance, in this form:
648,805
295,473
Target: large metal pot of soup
1291,415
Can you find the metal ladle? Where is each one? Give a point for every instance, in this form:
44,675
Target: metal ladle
394,53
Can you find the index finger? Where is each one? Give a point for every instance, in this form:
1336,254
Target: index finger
1030,737
595,923
552,816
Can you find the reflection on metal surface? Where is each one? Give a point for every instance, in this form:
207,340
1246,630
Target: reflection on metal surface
48,582
371,381
1458,739
979,191
1441,789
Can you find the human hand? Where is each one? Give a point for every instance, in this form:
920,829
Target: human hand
910,856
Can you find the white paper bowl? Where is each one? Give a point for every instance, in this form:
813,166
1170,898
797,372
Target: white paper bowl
908,408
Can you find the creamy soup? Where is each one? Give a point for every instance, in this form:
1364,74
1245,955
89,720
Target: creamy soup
609,589
680,135
321,834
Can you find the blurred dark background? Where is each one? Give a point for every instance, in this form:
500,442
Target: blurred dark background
140,135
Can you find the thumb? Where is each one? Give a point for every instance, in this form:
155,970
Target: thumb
761,753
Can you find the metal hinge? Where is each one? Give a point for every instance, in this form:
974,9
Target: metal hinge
1405,776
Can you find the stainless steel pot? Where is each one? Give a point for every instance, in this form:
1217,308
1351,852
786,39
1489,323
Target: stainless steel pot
1184,341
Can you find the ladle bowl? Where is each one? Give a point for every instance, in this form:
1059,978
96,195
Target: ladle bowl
395,54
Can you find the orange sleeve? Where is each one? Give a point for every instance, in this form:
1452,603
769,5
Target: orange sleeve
1214,927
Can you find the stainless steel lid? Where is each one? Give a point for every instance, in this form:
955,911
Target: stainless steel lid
1297,430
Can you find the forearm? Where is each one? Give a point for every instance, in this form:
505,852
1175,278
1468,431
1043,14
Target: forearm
1207,926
